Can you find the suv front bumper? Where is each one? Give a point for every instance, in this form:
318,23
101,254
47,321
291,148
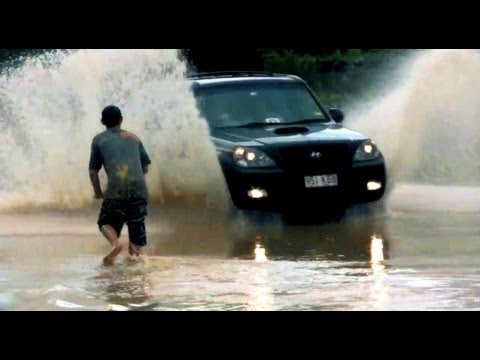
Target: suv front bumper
286,190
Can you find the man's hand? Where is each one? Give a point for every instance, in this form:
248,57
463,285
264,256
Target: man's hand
98,195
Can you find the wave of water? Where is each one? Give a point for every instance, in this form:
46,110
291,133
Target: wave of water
50,110
427,125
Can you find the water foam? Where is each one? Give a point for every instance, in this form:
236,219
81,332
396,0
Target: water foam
50,110
428,124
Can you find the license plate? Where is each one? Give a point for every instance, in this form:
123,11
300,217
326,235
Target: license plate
321,181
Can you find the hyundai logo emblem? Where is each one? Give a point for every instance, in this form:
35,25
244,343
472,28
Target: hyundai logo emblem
315,155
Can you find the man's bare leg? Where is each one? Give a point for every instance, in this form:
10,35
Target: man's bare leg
112,237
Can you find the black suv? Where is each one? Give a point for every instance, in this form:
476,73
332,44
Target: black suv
280,149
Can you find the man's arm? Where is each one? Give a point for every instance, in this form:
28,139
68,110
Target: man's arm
95,164
95,180
144,158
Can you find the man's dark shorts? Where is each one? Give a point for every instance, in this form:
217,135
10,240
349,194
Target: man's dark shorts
117,213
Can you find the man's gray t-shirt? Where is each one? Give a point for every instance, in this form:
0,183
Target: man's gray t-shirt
123,156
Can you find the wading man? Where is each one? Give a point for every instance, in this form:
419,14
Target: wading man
125,200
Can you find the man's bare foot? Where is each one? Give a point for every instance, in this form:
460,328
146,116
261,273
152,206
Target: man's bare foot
109,260
133,250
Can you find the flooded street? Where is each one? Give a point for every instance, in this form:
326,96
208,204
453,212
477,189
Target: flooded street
406,258
418,250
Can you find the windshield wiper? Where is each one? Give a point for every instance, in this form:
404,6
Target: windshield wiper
307,121
264,124
251,125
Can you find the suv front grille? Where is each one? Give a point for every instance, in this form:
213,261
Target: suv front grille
314,158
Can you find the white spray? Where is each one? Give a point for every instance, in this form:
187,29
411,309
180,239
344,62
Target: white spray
428,124
50,110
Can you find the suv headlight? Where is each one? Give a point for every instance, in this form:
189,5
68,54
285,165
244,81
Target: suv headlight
367,151
251,158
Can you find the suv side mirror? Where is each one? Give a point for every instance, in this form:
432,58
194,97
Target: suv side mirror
336,115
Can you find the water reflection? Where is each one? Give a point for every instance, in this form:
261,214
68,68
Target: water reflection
260,291
379,290
260,253
377,256
352,240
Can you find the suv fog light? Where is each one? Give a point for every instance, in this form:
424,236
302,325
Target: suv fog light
257,193
374,185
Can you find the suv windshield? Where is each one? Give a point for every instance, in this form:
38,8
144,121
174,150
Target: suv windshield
247,103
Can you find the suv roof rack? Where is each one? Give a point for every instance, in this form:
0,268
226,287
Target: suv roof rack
231,74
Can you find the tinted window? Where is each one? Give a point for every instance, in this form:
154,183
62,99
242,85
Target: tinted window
270,102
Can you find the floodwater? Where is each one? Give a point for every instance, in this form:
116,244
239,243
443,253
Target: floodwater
420,250
420,253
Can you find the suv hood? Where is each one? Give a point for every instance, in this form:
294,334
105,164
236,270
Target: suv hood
285,134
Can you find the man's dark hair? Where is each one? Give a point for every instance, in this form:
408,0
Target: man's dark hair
111,116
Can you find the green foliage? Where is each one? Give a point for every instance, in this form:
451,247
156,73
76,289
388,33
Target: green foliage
289,63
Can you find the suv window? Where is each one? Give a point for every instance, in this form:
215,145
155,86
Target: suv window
230,105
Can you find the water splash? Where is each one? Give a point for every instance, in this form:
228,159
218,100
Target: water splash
427,126
50,110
